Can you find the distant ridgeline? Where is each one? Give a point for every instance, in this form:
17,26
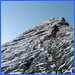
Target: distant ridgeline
46,49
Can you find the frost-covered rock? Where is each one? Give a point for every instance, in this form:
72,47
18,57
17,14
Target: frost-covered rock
30,53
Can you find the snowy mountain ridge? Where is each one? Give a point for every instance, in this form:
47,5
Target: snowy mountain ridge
40,50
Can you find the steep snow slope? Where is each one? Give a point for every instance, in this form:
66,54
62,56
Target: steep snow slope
30,53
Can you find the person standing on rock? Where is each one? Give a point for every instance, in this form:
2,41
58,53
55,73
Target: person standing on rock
63,22
63,19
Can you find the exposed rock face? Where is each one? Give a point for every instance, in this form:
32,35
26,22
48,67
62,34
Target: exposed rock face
29,53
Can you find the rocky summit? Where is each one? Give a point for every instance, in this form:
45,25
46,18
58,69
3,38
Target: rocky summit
46,49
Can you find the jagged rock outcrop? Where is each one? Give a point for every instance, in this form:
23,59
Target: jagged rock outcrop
37,52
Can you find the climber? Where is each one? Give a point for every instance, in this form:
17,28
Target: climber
63,19
55,29
63,22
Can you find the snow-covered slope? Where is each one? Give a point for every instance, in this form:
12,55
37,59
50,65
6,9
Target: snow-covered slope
30,53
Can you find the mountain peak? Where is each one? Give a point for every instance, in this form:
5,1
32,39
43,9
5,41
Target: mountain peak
46,49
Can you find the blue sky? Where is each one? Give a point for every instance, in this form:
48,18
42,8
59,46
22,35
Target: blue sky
17,17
